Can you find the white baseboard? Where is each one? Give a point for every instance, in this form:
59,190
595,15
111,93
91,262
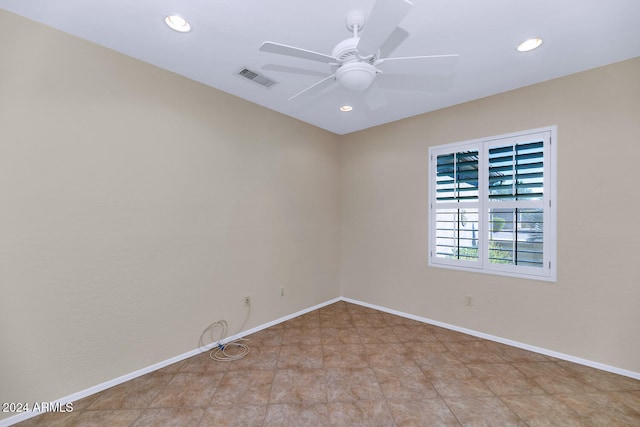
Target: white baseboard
540,350
280,320
111,383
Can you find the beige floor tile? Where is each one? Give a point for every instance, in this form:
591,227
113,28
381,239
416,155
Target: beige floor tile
483,412
447,335
543,410
201,363
504,380
137,393
563,384
613,419
331,311
365,413
111,418
166,417
244,388
339,336
302,336
605,381
413,334
52,419
591,404
420,413
187,389
405,382
297,415
234,415
300,356
435,359
337,321
258,358
393,319
424,351
369,321
344,356
84,403
299,386
306,321
356,309
514,354
388,355
447,372
629,398
377,335
535,369
473,352
336,306
170,369
349,384
266,337
461,387
554,378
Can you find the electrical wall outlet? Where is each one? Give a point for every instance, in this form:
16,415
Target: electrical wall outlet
468,300
247,301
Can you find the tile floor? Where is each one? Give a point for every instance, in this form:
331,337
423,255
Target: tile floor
347,365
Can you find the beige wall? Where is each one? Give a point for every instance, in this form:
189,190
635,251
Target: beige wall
593,311
137,207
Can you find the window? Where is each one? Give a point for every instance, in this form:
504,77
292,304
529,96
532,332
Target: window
492,205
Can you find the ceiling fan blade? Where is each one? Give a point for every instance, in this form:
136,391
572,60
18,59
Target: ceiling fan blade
385,16
316,87
415,82
395,39
293,70
375,98
283,49
433,64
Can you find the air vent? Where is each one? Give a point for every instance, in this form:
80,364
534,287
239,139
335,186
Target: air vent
256,77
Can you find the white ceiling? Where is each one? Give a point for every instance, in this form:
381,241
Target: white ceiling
226,35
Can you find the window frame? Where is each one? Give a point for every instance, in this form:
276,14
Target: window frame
548,270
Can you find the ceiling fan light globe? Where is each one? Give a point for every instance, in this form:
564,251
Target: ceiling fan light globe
356,76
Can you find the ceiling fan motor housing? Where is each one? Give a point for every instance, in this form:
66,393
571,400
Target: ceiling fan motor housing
346,50
356,75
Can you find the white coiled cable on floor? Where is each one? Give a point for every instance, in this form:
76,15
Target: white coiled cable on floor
226,352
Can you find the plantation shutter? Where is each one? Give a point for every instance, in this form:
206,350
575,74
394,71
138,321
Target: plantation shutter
457,205
516,202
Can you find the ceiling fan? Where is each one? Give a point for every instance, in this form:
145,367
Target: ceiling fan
356,62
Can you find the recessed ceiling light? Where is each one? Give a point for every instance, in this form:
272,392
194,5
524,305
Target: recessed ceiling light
178,23
346,108
530,44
